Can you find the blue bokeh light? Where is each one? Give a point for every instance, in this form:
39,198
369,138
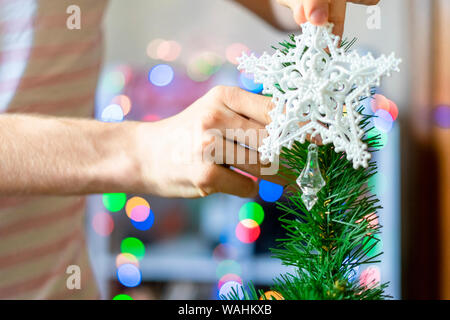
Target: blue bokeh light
383,120
146,224
112,113
269,191
161,75
129,275
246,82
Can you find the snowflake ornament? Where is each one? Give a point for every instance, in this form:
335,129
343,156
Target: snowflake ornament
316,93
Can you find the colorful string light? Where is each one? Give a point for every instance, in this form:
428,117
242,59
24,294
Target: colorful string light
124,102
112,113
103,224
370,277
114,202
145,224
133,246
253,211
269,191
161,75
228,266
126,258
231,288
248,231
137,209
129,275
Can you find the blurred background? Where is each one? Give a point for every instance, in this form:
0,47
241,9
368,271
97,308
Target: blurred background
160,56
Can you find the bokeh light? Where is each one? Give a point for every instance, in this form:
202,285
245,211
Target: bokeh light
103,224
383,120
234,51
229,277
114,202
372,220
142,209
269,191
133,246
228,266
168,50
441,116
124,102
129,275
231,288
113,82
152,48
383,139
126,258
126,71
161,75
271,295
353,272
393,110
151,118
370,277
379,101
146,224
112,113
378,183
160,49
122,297
202,66
247,231
224,251
375,241
253,211
140,213
248,83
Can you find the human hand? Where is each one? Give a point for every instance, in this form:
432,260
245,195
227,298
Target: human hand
189,154
319,12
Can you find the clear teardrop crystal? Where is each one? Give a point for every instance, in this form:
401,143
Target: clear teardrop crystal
310,180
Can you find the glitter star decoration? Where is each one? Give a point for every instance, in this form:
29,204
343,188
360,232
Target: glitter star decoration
317,87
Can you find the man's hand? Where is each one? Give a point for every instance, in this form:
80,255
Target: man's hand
189,154
319,12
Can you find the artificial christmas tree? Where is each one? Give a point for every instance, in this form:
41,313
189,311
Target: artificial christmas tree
317,86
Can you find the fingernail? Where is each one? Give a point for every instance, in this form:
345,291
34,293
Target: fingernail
319,16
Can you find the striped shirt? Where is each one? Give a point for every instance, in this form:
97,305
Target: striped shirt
49,69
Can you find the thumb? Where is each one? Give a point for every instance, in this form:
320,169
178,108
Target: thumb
316,11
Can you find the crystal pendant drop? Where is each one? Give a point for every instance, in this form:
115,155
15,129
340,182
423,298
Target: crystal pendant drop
310,180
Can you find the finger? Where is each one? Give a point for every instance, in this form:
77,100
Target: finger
224,180
337,16
235,127
247,160
299,14
316,11
250,105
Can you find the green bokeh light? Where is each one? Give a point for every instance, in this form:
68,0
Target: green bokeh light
122,297
369,241
252,210
383,137
114,201
133,246
227,267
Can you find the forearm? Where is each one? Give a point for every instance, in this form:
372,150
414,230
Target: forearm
61,156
